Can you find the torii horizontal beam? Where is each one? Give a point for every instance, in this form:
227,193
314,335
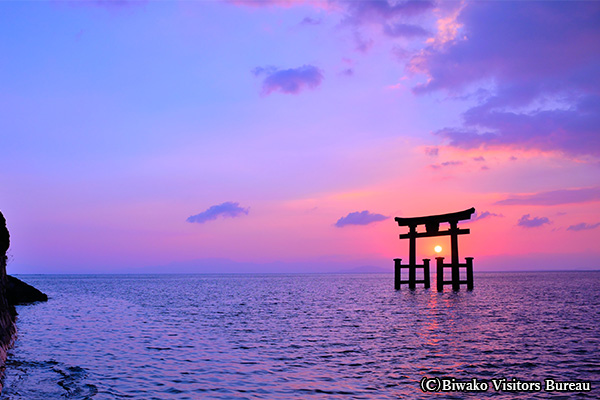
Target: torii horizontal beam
436,219
433,234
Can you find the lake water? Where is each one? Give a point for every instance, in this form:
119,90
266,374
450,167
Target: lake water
302,336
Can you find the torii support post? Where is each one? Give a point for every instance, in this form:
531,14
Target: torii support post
454,253
440,273
412,261
469,273
412,274
432,225
426,282
397,273
455,280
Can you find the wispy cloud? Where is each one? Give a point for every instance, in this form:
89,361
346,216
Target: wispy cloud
290,81
555,197
484,215
451,163
446,164
583,227
347,72
359,218
432,151
310,21
227,209
527,222
404,30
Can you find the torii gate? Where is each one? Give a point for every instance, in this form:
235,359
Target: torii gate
432,228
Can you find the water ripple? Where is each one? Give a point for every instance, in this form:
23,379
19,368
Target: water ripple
298,336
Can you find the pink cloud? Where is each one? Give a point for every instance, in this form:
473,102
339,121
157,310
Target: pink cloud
291,81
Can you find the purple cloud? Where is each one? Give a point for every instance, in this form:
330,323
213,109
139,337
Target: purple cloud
365,11
404,30
291,81
554,197
483,215
310,21
227,209
571,131
361,44
359,218
514,42
389,15
583,227
527,222
546,89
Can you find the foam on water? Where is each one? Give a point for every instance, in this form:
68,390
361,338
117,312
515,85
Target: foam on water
46,380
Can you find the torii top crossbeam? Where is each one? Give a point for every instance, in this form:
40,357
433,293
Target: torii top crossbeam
436,219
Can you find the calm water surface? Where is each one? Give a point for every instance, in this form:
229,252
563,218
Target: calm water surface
300,336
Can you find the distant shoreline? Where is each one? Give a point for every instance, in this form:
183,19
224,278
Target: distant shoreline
283,273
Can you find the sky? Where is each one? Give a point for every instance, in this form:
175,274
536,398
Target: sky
285,136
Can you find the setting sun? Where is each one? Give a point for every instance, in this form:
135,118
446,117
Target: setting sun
437,249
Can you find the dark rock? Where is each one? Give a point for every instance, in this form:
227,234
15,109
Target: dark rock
12,291
4,236
7,311
19,292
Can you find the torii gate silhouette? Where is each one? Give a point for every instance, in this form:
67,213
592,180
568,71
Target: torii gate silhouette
432,229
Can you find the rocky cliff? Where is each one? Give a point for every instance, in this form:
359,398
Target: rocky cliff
7,310
12,292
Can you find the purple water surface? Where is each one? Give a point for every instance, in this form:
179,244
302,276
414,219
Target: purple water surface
300,336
